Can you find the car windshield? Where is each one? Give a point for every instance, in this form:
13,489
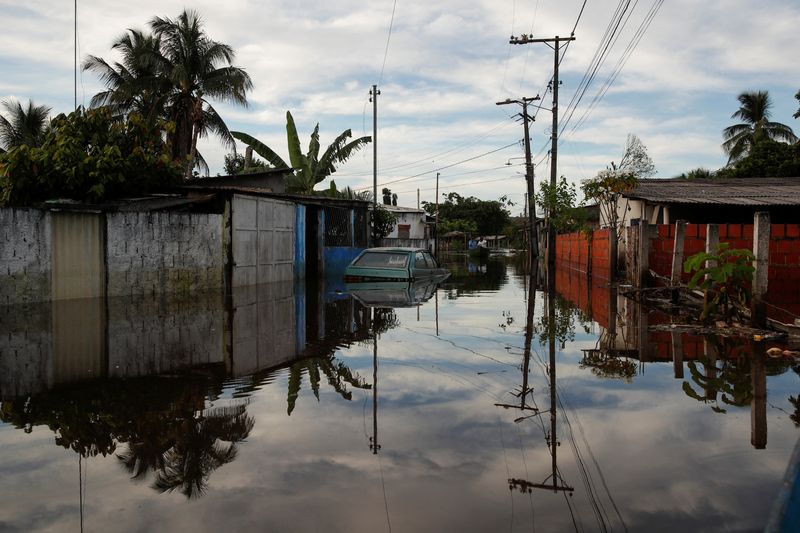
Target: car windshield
382,260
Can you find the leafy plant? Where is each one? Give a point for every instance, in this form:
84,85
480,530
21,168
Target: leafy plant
90,156
725,277
559,206
383,222
309,168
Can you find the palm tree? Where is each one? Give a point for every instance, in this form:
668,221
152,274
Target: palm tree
23,126
134,85
191,61
755,113
797,97
309,168
174,73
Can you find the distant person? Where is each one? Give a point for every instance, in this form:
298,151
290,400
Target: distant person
482,243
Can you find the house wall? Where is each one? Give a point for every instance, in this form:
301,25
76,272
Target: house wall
416,221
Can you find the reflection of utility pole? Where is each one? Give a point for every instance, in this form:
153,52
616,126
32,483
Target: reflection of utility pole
525,39
533,244
758,405
556,484
373,441
436,220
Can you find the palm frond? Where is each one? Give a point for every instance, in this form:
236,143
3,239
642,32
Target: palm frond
261,149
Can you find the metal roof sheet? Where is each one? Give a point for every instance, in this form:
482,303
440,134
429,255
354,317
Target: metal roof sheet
731,191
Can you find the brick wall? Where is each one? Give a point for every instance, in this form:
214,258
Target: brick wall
573,252
25,255
148,253
784,257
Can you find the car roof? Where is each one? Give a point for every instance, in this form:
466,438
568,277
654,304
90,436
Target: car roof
395,249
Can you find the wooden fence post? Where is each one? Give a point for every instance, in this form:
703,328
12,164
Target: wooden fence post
644,254
761,234
677,258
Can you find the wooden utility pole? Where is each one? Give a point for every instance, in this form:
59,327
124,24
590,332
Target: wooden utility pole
436,220
373,97
533,247
525,39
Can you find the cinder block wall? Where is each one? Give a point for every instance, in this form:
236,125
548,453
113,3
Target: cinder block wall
25,255
149,253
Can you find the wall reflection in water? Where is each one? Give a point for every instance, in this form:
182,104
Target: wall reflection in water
142,377
723,372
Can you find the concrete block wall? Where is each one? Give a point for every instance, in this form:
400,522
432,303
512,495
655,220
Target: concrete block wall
25,255
149,253
25,349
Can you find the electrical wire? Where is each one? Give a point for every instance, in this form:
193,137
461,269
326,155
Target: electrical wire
388,37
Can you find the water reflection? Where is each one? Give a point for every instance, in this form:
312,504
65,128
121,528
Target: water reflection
425,418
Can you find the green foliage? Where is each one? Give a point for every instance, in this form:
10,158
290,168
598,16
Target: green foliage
726,281
383,222
797,97
309,168
697,173
235,163
766,159
559,206
88,156
490,217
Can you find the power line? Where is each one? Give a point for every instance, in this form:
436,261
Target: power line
454,185
444,167
388,37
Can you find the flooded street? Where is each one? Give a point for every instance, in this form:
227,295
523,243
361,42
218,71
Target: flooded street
335,408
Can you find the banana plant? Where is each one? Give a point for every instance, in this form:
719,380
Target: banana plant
309,168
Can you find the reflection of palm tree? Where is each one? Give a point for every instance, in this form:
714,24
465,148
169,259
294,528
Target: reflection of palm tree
754,113
197,451
338,374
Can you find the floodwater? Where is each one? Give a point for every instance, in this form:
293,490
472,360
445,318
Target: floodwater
477,405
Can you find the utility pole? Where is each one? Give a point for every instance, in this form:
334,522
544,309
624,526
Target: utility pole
373,97
75,54
436,220
533,245
525,39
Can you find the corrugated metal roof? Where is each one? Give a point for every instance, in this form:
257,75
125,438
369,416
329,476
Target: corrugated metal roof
731,191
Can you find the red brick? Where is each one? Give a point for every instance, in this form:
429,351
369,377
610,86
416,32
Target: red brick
793,230
734,230
723,231
747,231
785,246
777,258
701,231
691,230
793,259
778,231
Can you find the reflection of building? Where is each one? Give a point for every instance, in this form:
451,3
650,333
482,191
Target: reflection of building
51,344
722,372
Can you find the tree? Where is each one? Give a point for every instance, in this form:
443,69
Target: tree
89,156
172,73
309,169
607,187
383,222
797,97
22,126
236,163
559,206
489,217
754,111
767,159
135,85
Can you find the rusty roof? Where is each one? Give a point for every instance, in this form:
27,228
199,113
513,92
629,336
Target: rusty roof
727,191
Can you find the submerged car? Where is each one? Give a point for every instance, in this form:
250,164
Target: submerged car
393,264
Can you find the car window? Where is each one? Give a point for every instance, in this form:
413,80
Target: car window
431,261
382,260
419,261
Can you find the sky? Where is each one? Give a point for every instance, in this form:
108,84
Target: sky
440,68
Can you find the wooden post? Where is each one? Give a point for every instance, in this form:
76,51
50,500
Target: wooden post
761,234
677,354
677,258
644,254
677,252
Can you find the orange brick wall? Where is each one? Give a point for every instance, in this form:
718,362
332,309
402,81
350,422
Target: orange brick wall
572,252
784,256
